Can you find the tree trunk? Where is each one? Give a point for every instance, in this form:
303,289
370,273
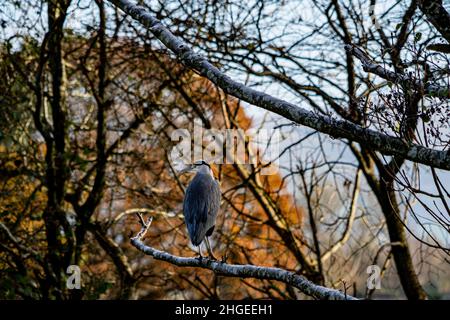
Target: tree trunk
402,256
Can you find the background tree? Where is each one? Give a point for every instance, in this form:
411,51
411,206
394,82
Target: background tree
90,104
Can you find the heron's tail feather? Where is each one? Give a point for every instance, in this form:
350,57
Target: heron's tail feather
196,235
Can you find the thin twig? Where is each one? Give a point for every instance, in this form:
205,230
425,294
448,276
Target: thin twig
328,125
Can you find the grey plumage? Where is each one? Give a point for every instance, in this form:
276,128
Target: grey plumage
201,204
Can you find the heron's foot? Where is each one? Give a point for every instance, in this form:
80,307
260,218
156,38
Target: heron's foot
211,257
200,257
224,258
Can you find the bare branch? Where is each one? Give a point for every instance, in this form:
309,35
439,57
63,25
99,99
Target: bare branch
370,66
351,217
18,244
241,271
437,15
335,128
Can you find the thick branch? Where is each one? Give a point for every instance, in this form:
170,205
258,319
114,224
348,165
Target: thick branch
241,271
335,128
120,260
437,15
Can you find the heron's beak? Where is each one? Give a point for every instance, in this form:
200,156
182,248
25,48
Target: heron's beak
189,168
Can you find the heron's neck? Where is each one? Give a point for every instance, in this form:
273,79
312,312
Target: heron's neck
205,170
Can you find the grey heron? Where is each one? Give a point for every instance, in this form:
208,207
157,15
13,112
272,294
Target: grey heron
201,204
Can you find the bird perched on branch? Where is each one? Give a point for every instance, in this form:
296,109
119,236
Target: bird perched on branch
201,204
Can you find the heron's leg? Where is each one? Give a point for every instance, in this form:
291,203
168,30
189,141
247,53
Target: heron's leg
200,251
208,246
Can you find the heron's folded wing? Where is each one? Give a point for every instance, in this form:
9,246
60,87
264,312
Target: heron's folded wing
214,204
196,208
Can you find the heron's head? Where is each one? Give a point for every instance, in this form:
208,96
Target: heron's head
197,166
